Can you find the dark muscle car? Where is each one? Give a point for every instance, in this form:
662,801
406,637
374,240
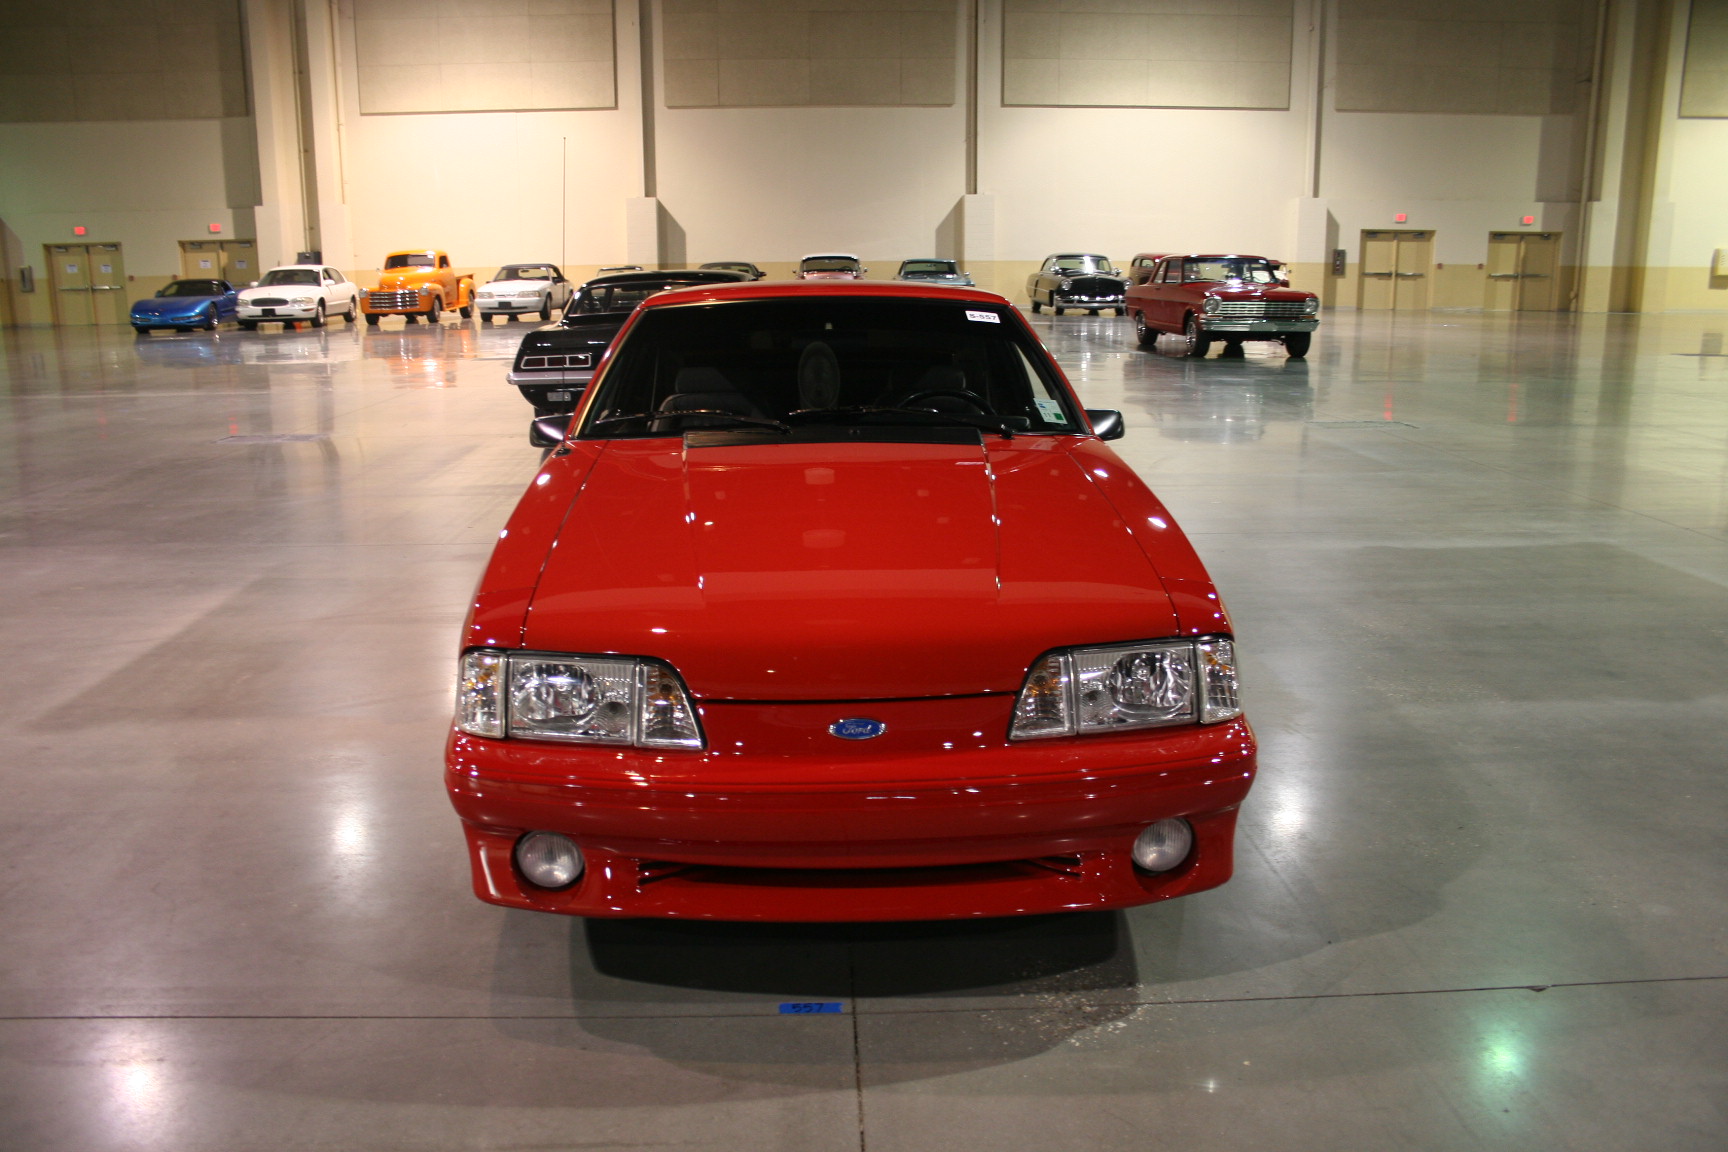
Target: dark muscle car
1077,280
556,361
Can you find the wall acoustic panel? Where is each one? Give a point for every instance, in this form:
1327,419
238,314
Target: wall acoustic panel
780,53
1704,92
1529,58
484,57
83,60
1147,53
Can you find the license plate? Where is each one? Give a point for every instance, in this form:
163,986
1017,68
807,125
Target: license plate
269,311
557,395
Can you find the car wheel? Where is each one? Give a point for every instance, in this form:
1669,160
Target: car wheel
349,315
1091,311
318,315
467,310
1055,309
545,309
371,320
209,322
1297,344
249,325
1144,332
1036,307
140,331
1198,342
1121,311
434,310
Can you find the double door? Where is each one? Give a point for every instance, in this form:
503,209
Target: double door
89,283
1523,271
1395,270
235,261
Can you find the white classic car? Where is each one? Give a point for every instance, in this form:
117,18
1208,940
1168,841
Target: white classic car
519,288
297,292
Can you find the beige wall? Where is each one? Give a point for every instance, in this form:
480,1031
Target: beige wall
887,181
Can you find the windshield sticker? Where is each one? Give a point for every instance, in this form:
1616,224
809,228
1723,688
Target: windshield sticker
985,317
1051,410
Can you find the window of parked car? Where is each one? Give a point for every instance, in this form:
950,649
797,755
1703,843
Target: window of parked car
819,361
194,288
408,260
1251,271
937,267
1081,263
281,277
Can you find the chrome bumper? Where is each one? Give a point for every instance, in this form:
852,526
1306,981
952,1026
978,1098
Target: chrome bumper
551,378
1270,327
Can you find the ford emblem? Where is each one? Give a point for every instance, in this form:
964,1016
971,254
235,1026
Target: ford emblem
857,728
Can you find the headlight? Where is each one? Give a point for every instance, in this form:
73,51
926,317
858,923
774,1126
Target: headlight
1211,305
1066,283
579,699
1311,305
485,295
529,294
1127,686
304,301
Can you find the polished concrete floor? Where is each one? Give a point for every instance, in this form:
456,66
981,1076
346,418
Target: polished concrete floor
1479,567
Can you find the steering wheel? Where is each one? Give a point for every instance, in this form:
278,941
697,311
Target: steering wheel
965,397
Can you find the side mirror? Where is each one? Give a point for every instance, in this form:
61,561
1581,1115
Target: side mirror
1106,423
549,431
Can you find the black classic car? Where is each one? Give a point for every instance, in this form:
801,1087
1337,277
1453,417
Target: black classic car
1077,280
556,361
750,270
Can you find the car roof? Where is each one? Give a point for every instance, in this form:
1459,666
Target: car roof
828,256
928,260
1216,256
416,252
1076,255
695,275
305,267
792,289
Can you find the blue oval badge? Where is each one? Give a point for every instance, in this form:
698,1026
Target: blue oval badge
857,728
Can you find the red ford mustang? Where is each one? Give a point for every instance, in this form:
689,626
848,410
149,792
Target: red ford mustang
833,605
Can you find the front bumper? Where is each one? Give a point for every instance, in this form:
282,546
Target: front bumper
997,830
278,312
1060,300
1239,324
511,306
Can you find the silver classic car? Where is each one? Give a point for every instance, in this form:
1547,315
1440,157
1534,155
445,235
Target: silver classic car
1077,280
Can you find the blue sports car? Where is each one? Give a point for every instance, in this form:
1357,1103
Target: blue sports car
185,305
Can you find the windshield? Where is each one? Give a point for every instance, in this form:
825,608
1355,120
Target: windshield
409,260
1081,263
194,288
776,364
927,268
728,266
828,264
524,272
1252,271
278,276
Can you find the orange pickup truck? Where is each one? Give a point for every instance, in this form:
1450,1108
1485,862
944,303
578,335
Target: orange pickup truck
418,283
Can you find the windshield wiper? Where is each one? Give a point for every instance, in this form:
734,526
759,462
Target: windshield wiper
925,416
732,417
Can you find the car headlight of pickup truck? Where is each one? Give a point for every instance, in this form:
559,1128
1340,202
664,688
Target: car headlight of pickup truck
1082,691
579,699
1311,305
1211,304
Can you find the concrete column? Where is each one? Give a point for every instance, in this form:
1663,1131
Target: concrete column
281,213
323,132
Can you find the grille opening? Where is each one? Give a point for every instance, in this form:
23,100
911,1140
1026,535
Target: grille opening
654,871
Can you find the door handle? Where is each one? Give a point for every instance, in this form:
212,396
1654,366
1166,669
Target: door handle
1502,275
1412,275
1386,274
104,287
1534,275
74,289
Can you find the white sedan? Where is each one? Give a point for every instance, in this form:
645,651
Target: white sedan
520,288
297,292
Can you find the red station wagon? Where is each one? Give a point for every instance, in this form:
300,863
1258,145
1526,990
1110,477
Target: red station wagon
1228,298
833,604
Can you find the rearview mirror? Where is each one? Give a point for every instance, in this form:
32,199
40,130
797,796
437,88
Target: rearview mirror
549,431
1106,423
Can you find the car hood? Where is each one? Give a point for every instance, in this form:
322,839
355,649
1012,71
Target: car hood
164,305
843,571
513,285
1246,292
279,290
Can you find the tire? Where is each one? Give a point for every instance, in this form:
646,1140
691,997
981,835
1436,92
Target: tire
467,310
1091,311
249,325
318,315
1145,335
209,322
487,317
545,309
435,311
352,309
1122,311
141,331
1297,344
1036,307
1055,309
1198,342
371,320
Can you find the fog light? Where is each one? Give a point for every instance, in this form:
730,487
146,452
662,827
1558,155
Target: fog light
549,860
1163,845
